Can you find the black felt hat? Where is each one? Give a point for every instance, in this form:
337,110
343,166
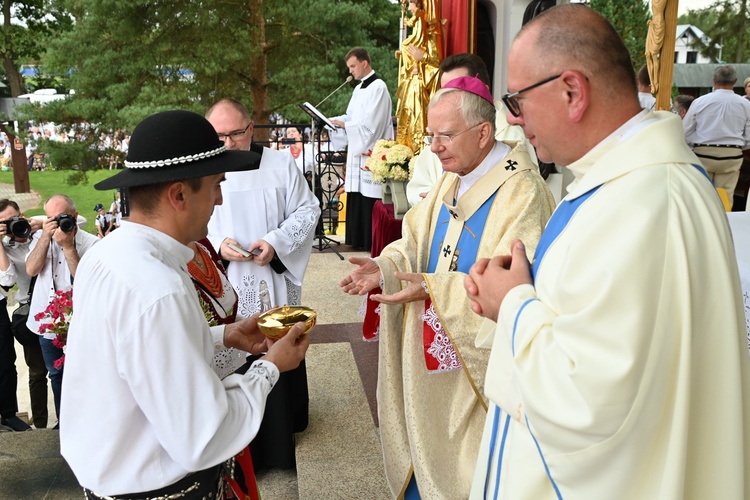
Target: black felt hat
176,145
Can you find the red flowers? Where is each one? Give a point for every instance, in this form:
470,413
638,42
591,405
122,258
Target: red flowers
58,314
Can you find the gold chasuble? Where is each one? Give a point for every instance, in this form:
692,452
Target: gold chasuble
431,418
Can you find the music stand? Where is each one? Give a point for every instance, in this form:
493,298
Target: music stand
318,122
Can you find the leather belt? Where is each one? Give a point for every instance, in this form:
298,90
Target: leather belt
716,146
206,484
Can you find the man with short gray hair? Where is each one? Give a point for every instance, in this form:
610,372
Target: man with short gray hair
430,373
717,127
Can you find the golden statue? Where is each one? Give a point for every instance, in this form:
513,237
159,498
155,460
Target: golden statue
419,72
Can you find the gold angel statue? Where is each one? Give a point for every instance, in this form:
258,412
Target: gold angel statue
419,78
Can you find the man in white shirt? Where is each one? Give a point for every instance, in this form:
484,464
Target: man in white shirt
144,412
53,258
717,127
366,121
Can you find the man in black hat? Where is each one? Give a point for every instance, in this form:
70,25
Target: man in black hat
146,415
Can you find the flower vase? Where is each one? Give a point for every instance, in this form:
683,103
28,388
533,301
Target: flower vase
394,193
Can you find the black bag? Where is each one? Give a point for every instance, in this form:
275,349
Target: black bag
21,332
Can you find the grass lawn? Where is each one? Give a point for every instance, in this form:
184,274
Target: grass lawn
49,182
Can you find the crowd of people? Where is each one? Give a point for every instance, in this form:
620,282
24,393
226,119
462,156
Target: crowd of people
526,351
111,147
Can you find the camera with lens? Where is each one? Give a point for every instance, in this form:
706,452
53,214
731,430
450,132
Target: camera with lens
66,222
18,227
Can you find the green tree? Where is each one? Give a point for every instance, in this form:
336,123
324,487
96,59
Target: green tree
130,59
726,24
26,28
630,19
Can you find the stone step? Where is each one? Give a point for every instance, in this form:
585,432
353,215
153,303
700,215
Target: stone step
339,455
31,467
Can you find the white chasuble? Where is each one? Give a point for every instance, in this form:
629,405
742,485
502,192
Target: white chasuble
622,372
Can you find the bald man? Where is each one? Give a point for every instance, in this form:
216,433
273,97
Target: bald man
618,366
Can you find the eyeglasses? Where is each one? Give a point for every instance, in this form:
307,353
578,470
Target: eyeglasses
511,102
445,139
234,135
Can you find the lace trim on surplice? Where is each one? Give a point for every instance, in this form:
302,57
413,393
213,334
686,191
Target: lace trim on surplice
441,348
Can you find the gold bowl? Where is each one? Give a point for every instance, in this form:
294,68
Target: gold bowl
277,322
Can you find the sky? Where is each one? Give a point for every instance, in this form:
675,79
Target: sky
686,5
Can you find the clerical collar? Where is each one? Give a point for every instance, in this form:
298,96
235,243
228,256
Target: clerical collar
369,79
257,148
499,151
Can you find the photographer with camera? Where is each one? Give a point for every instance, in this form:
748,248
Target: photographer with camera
15,231
53,258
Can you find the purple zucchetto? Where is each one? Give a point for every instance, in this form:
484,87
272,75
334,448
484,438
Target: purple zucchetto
471,84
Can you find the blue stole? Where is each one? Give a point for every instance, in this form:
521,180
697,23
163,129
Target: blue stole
557,223
468,242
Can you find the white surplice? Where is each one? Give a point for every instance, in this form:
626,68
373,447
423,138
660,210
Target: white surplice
367,119
275,204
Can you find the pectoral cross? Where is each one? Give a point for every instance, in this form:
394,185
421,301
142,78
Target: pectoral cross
511,165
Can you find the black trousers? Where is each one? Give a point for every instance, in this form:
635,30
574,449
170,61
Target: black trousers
359,221
286,413
8,374
37,384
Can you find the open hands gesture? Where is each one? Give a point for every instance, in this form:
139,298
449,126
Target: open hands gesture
365,277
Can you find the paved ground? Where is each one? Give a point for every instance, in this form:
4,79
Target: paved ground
25,200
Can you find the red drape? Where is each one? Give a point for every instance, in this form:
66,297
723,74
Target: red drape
456,27
385,227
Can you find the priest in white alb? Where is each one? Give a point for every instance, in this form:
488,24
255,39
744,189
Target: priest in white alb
619,368
367,120
272,211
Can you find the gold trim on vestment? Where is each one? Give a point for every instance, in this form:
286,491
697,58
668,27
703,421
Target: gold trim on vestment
458,353
473,200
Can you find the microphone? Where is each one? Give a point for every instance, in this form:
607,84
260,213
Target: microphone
348,79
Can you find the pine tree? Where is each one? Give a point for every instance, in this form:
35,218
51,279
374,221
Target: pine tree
630,19
725,23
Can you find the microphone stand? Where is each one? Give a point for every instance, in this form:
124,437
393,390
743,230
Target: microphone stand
348,79
324,166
